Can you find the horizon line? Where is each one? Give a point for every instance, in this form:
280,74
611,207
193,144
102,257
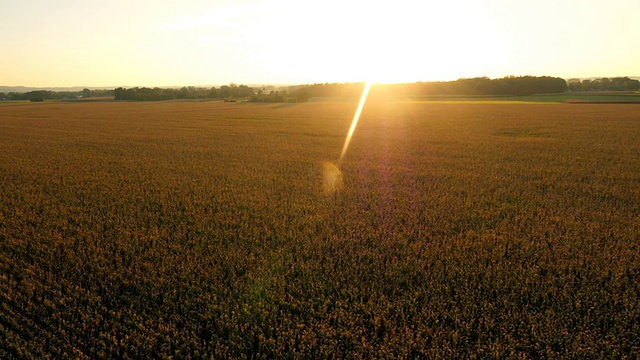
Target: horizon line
91,87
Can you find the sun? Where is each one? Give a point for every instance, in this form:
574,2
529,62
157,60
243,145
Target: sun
380,42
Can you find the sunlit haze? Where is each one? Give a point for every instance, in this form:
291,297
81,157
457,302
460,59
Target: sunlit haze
175,43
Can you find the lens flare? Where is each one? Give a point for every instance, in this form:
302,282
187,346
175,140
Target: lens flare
354,122
332,178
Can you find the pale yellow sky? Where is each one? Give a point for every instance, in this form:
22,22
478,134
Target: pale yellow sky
191,42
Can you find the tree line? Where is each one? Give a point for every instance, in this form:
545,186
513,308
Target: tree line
605,84
231,91
41,95
511,85
506,86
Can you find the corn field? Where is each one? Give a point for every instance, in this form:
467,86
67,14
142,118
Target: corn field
201,230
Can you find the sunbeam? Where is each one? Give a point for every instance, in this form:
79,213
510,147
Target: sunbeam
354,122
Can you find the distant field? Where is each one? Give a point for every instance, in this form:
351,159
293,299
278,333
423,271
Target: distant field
157,229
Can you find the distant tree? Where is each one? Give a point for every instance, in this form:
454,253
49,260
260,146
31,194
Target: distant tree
40,95
233,91
244,91
624,84
510,85
14,96
606,84
86,93
574,84
602,84
103,92
224,92
119,93
302,95
185,92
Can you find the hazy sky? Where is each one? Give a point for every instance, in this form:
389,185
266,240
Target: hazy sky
216,42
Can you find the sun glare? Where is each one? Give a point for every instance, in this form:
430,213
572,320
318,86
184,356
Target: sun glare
354,122
380,42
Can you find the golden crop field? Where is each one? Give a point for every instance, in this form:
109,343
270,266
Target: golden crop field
200,230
